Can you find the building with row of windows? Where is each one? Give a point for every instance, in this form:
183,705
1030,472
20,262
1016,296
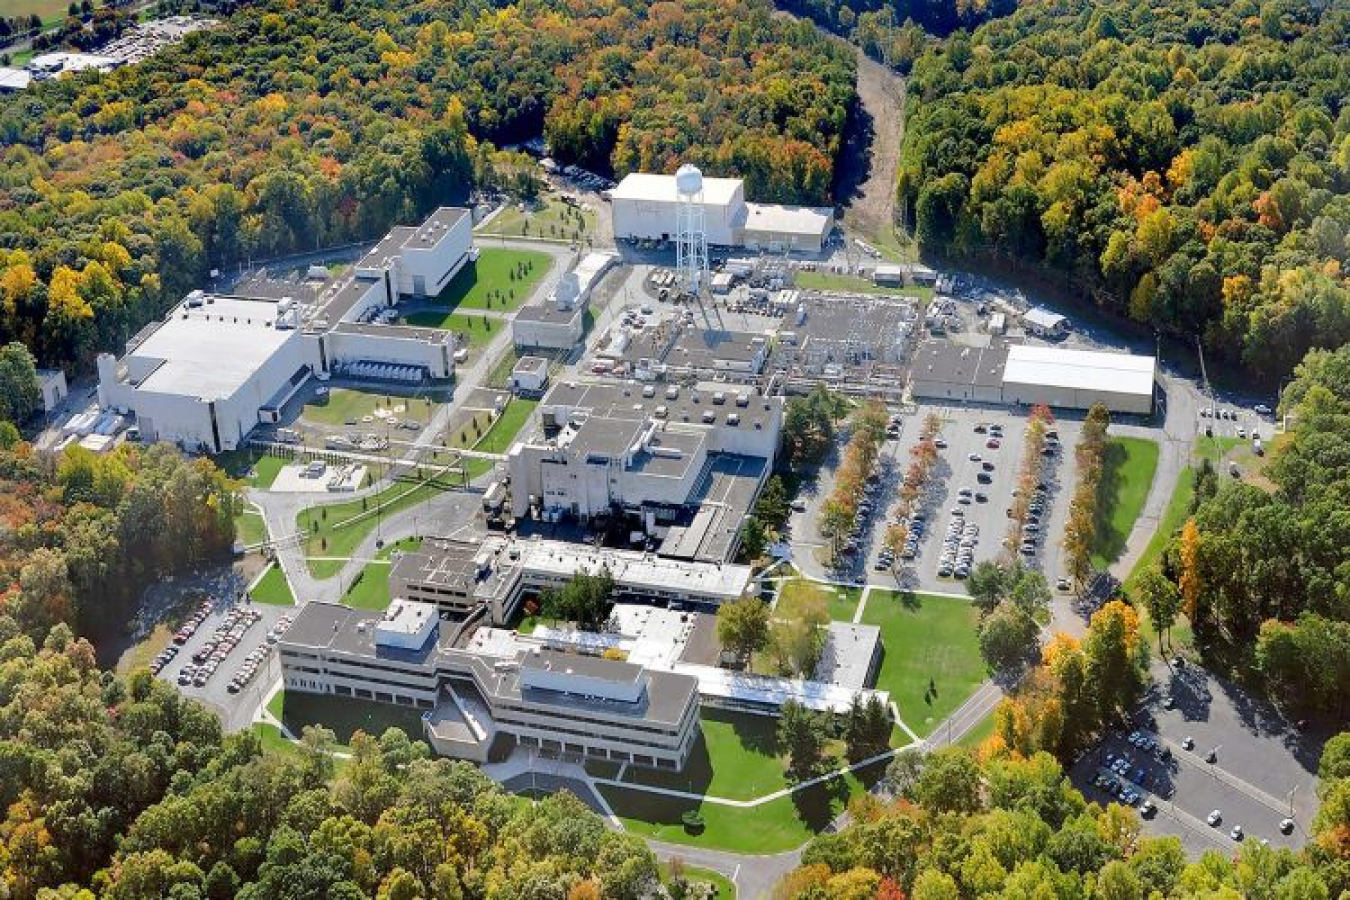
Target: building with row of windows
475,686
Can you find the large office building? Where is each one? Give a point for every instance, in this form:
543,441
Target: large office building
1026,374
686,463
219,365
488,580
643,207
477,684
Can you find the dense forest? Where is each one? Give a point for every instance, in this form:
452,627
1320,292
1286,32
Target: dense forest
1186,164
81,536
299,125
122,789
1008,826
1264,571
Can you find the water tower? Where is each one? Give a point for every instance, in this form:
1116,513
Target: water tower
691,238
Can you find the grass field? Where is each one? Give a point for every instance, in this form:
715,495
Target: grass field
256,469
478,329
503,431
500,279
773,827
370,589
1127,475
841,602
930,658
51,11
736,757
338,535
273,588
343,405
343,715
725,890
833,281
552,219
250,527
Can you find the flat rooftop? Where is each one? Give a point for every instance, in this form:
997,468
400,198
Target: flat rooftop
395,332
701,348
602,436
550,313
531,365
947,363
625,400
846,658
211,351
670,453
804,220
1087,370
661,189
634,569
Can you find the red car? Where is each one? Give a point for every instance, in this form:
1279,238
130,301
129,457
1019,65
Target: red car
992,444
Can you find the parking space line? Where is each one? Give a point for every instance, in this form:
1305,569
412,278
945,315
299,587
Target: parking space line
1182,755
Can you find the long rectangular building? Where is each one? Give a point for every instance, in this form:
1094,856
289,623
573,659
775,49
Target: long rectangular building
643,207
461,578
1030,374
474,690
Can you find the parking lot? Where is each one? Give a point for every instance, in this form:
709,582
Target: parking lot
976,474
1261,774
235,709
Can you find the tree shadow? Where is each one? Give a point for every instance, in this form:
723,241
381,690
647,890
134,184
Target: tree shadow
1108,543
854,166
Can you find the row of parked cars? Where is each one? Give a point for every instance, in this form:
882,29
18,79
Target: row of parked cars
958,546
194,621
866,507
255,659
216,649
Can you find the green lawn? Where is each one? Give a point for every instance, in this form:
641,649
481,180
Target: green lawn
500,279
250,527
339,532
478,329
370,589
736,757
502,434
52,12
551,219
773,827
273,588
1127,475
930,654
841,602
343,405
256,469
725,890
833,281
343,715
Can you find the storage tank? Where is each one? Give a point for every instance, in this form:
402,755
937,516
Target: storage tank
688,180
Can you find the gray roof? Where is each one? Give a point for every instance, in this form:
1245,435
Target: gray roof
394,332
533,364
681,448
603,436
623,400
548,312
943,362
697,347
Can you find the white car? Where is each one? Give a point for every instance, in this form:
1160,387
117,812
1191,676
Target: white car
1214,818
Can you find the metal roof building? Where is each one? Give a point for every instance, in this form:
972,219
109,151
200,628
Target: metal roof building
1078,379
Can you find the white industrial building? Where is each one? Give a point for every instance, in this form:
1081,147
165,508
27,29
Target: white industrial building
644,205
1030,374
687,463
1079,379
54,388
217,366
559,322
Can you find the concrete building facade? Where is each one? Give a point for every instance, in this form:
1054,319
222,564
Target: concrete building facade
474,687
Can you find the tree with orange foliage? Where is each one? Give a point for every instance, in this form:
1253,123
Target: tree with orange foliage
1190,582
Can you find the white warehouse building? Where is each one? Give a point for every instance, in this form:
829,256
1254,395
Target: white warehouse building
217,366
1030,374
643,207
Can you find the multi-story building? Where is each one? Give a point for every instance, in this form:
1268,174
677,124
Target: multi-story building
461,579
477,686
218,365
